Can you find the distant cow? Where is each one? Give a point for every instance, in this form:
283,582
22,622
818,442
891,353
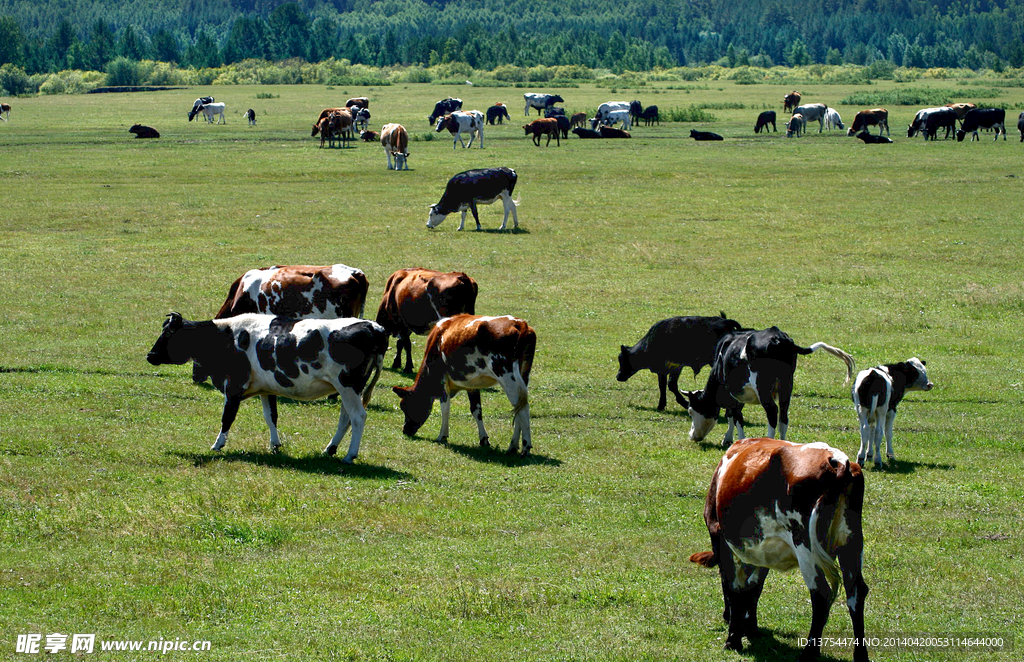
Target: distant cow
606,109
369,136
554,111
612,117
142,131
669,346
961,109
197,106
5,109
467,189
213,110
791,101
611,132
395,141
833,120
921,118
496,113
273,357
876,394
590,133
776,505
813,112
250,116
650,115
872,139
577,120
323,115
468,353
444,107
752,367
458,123
941,118
982,118
358,102
875,117
704,135
796,125
416,299
763,120
541,101
1020,126
636,109
361,119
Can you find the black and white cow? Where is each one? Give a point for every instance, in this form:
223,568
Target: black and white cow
250,116
942,118
763,120
468,189
876,393
541,101
460,122
1020,126
672,344
982,118
197,105
444,107
752,367
268,356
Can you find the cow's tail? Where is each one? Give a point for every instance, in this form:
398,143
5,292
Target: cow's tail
706,559
526,345
827,523
834,351
377,366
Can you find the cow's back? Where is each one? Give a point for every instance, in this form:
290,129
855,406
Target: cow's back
298,291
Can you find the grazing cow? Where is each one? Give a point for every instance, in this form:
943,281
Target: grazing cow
611,132
876,394
497,112
605,109
961,109
416,299
197,106
940,118
704,135
1020,126
920,120
833,120
142,131
763,120
586,133
395,141
636,109
5,109
468,189
752,367
776,505
872,139
275,357
250,115
982,118
797,125
875,117
577,120
468,353
358,102
444,107
669,346
547,126
612,117
541,101
361,120
458,123
813,112
650,115
212,110
791,101
369,136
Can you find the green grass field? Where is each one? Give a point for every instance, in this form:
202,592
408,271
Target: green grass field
116,519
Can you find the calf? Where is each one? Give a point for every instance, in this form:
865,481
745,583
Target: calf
270,356
776,505
444,107
395,141
876,394
982,118
577,120
369,136
763,120
796,125
361,120
791,101
669,346
833,120
636,109
468,353
650,115
458,123
415,299
142,131
5,109
872,139
581,132
467,189
752,367
611,132
497,112
875,117
324,114
250,116
704,135
547,126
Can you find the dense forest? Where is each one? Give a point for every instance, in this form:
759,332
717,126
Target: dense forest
637,35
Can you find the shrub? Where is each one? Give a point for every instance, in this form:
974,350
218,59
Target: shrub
690,114
123,72
14,81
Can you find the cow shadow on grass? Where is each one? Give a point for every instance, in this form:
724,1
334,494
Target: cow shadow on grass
496,454
771,646
312,464
505,231
905,467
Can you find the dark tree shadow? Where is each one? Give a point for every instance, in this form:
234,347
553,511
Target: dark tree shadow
312,464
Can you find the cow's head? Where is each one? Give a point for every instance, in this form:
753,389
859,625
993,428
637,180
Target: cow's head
921,383
442,123
435,218
960,133
626,369
703,413
169,346
415,407
910,131
554,98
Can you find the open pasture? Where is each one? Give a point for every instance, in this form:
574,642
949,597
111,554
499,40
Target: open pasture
116,519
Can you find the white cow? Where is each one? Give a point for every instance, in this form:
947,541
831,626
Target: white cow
395,141
211,110
813,112
833,120
605,109
460,122
541,101
611,117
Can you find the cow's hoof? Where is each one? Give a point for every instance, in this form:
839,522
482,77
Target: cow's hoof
348,459
485,442
526,452
276,450
331,450
891,457
441,440
661,406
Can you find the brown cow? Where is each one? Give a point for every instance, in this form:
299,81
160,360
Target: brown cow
776,505
323,115
961,109
578,120
612,132
548,125
791,101
415,299
358,102
875,117
468,353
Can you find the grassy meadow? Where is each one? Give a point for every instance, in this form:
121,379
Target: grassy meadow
116,518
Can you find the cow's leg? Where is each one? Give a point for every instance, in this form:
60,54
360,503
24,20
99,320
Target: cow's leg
516,391
462,223
527,108
227,417
890,416
673,385
388,152
509,205
785,394
662,385
741,586
866,434
476,215
446,410
352,413
875,451
270,416
477,410
735,418
397,363
850,559
820,590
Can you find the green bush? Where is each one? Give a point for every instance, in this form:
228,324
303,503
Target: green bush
689,114
14,81
123,72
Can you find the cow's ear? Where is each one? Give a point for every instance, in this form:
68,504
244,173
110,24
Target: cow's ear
174,320
401,391
623,348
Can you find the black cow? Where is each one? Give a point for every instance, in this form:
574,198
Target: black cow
270,356
636,110
444,107
563,124
612,132
250,115
554,111
1020,126
872,139
704,135
939,119
197,106
466,189
590,133
752,367
763,120
142,131
983,118
672,344
650,115
496,113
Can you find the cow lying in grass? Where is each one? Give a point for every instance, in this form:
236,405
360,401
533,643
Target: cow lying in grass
142,131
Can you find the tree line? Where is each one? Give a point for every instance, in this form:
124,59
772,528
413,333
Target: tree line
634,35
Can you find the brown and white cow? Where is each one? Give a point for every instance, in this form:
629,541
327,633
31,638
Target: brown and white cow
537,128
776,505
468,353
791,101
875,117
395,141
416,299
358,102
